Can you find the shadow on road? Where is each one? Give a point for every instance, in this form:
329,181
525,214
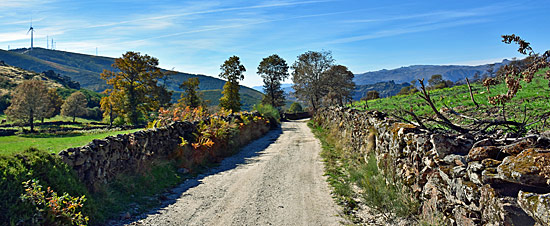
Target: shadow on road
245,156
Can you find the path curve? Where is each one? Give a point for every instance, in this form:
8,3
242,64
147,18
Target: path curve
276,180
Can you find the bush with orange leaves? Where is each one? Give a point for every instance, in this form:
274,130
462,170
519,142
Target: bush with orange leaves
52,209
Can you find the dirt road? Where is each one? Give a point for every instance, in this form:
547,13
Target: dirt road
276,180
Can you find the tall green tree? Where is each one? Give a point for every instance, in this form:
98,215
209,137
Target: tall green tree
273,70
135,87
30,101
190,96
75,105
232,70
308,76
338,80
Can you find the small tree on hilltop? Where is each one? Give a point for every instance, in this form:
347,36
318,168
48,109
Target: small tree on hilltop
273,70
29,102
190,97
232,70
75,105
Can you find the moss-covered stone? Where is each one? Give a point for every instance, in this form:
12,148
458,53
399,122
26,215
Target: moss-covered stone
523,168
536,205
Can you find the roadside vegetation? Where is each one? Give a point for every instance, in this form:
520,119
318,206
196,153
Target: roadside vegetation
357,184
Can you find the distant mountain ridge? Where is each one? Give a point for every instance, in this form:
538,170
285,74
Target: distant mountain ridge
410,73
85,69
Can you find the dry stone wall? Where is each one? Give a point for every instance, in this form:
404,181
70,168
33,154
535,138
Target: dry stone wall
458,179
102,159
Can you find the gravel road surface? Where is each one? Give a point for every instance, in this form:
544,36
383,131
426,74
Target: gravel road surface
276,180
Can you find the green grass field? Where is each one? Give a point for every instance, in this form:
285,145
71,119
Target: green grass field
56,118
51,143
83,123
533,98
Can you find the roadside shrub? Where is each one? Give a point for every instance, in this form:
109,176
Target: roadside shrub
34,164
269,112
52,209
295,108
353,178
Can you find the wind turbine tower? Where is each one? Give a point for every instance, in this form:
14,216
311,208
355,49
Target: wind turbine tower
31,30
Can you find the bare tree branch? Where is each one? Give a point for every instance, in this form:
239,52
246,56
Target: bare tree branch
471,93
445,121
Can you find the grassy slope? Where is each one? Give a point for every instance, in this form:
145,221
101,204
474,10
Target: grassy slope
85,69
52,144
534,97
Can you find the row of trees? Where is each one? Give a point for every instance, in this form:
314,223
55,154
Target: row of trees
137,91
32,100
317,80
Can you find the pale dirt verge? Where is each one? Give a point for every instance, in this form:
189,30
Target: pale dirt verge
276,180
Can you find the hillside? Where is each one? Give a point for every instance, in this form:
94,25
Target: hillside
529,104
410,73
11,76
85,69
385,89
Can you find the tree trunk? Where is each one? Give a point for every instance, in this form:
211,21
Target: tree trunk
313,104
74,117
110,114
32,120
133,105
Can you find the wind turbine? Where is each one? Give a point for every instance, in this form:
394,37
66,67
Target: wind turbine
31,30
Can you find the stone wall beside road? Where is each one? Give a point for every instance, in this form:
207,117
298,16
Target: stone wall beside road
456,178
103,159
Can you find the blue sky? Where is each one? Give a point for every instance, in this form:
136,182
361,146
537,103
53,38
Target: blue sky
197,36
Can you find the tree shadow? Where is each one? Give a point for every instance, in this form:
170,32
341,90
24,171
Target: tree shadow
247,155
50,135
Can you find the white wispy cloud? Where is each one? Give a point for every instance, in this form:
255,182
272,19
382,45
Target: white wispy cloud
10,4
427,21
208,11
406,30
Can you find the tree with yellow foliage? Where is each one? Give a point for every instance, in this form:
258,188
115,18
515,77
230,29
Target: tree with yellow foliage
135,90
